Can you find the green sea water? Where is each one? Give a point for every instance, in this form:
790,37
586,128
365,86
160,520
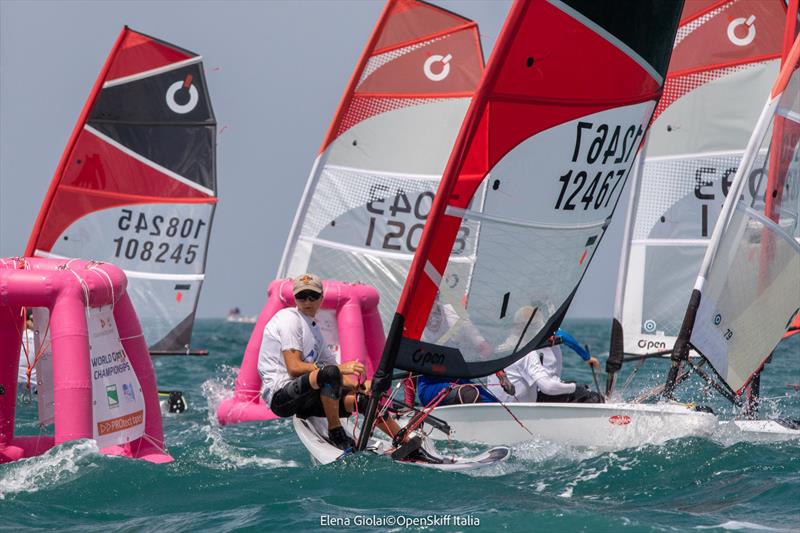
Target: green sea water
259,477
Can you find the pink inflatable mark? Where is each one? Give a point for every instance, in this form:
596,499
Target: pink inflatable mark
63,287
360,336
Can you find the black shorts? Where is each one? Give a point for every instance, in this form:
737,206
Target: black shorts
298,398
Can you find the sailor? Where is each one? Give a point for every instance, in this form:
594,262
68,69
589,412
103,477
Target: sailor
27,355
537,376
299,373
444,320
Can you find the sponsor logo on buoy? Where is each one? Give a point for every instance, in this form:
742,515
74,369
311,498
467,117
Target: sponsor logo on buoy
620,420
182,109
751,30
445,69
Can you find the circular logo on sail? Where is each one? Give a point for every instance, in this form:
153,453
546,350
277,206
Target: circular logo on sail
650,325
443,70
717,320
750,29
172,93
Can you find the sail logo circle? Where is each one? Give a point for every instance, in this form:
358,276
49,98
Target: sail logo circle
445,69
717,320
650,325
173,104
751,30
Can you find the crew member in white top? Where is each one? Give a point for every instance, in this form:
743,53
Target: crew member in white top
299,373
537,376
27,356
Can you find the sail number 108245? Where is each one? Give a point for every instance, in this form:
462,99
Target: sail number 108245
597,145
155,235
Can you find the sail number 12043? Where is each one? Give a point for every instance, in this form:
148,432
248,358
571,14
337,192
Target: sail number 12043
597,144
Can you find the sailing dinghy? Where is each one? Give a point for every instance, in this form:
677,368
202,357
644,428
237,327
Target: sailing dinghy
311,431
748,289
554,157
136,184
726,55
372,186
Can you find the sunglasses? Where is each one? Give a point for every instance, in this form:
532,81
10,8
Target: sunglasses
310,296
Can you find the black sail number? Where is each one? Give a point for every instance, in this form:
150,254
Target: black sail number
158,239
397,218
609,145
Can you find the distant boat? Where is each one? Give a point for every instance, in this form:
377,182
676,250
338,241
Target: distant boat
136,184
235,315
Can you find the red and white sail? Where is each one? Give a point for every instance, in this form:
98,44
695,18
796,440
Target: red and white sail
373,183
550,137
726,56
136,185
748,290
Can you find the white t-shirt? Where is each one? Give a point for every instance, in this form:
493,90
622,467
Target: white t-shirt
22,375
289,329
540,370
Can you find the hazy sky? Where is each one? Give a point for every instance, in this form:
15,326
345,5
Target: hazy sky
276,72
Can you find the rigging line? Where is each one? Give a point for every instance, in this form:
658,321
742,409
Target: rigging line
84,287
525,329
655,391
509,412
705,377
631,376
93,267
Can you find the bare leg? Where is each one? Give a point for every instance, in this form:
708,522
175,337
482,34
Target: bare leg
312,378
331,408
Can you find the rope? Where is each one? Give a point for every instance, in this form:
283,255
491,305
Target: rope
518,421
93,267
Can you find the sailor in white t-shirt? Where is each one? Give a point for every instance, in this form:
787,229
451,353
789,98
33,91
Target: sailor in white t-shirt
27,356
299,373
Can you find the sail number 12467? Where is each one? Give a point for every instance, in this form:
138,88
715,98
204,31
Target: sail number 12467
603,145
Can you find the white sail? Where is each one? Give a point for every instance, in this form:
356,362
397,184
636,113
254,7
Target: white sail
717,78
749,283
372,186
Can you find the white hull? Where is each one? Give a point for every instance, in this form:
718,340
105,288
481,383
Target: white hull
310,432
608,426
765,429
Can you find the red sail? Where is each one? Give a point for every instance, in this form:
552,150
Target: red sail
569,91
136,184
